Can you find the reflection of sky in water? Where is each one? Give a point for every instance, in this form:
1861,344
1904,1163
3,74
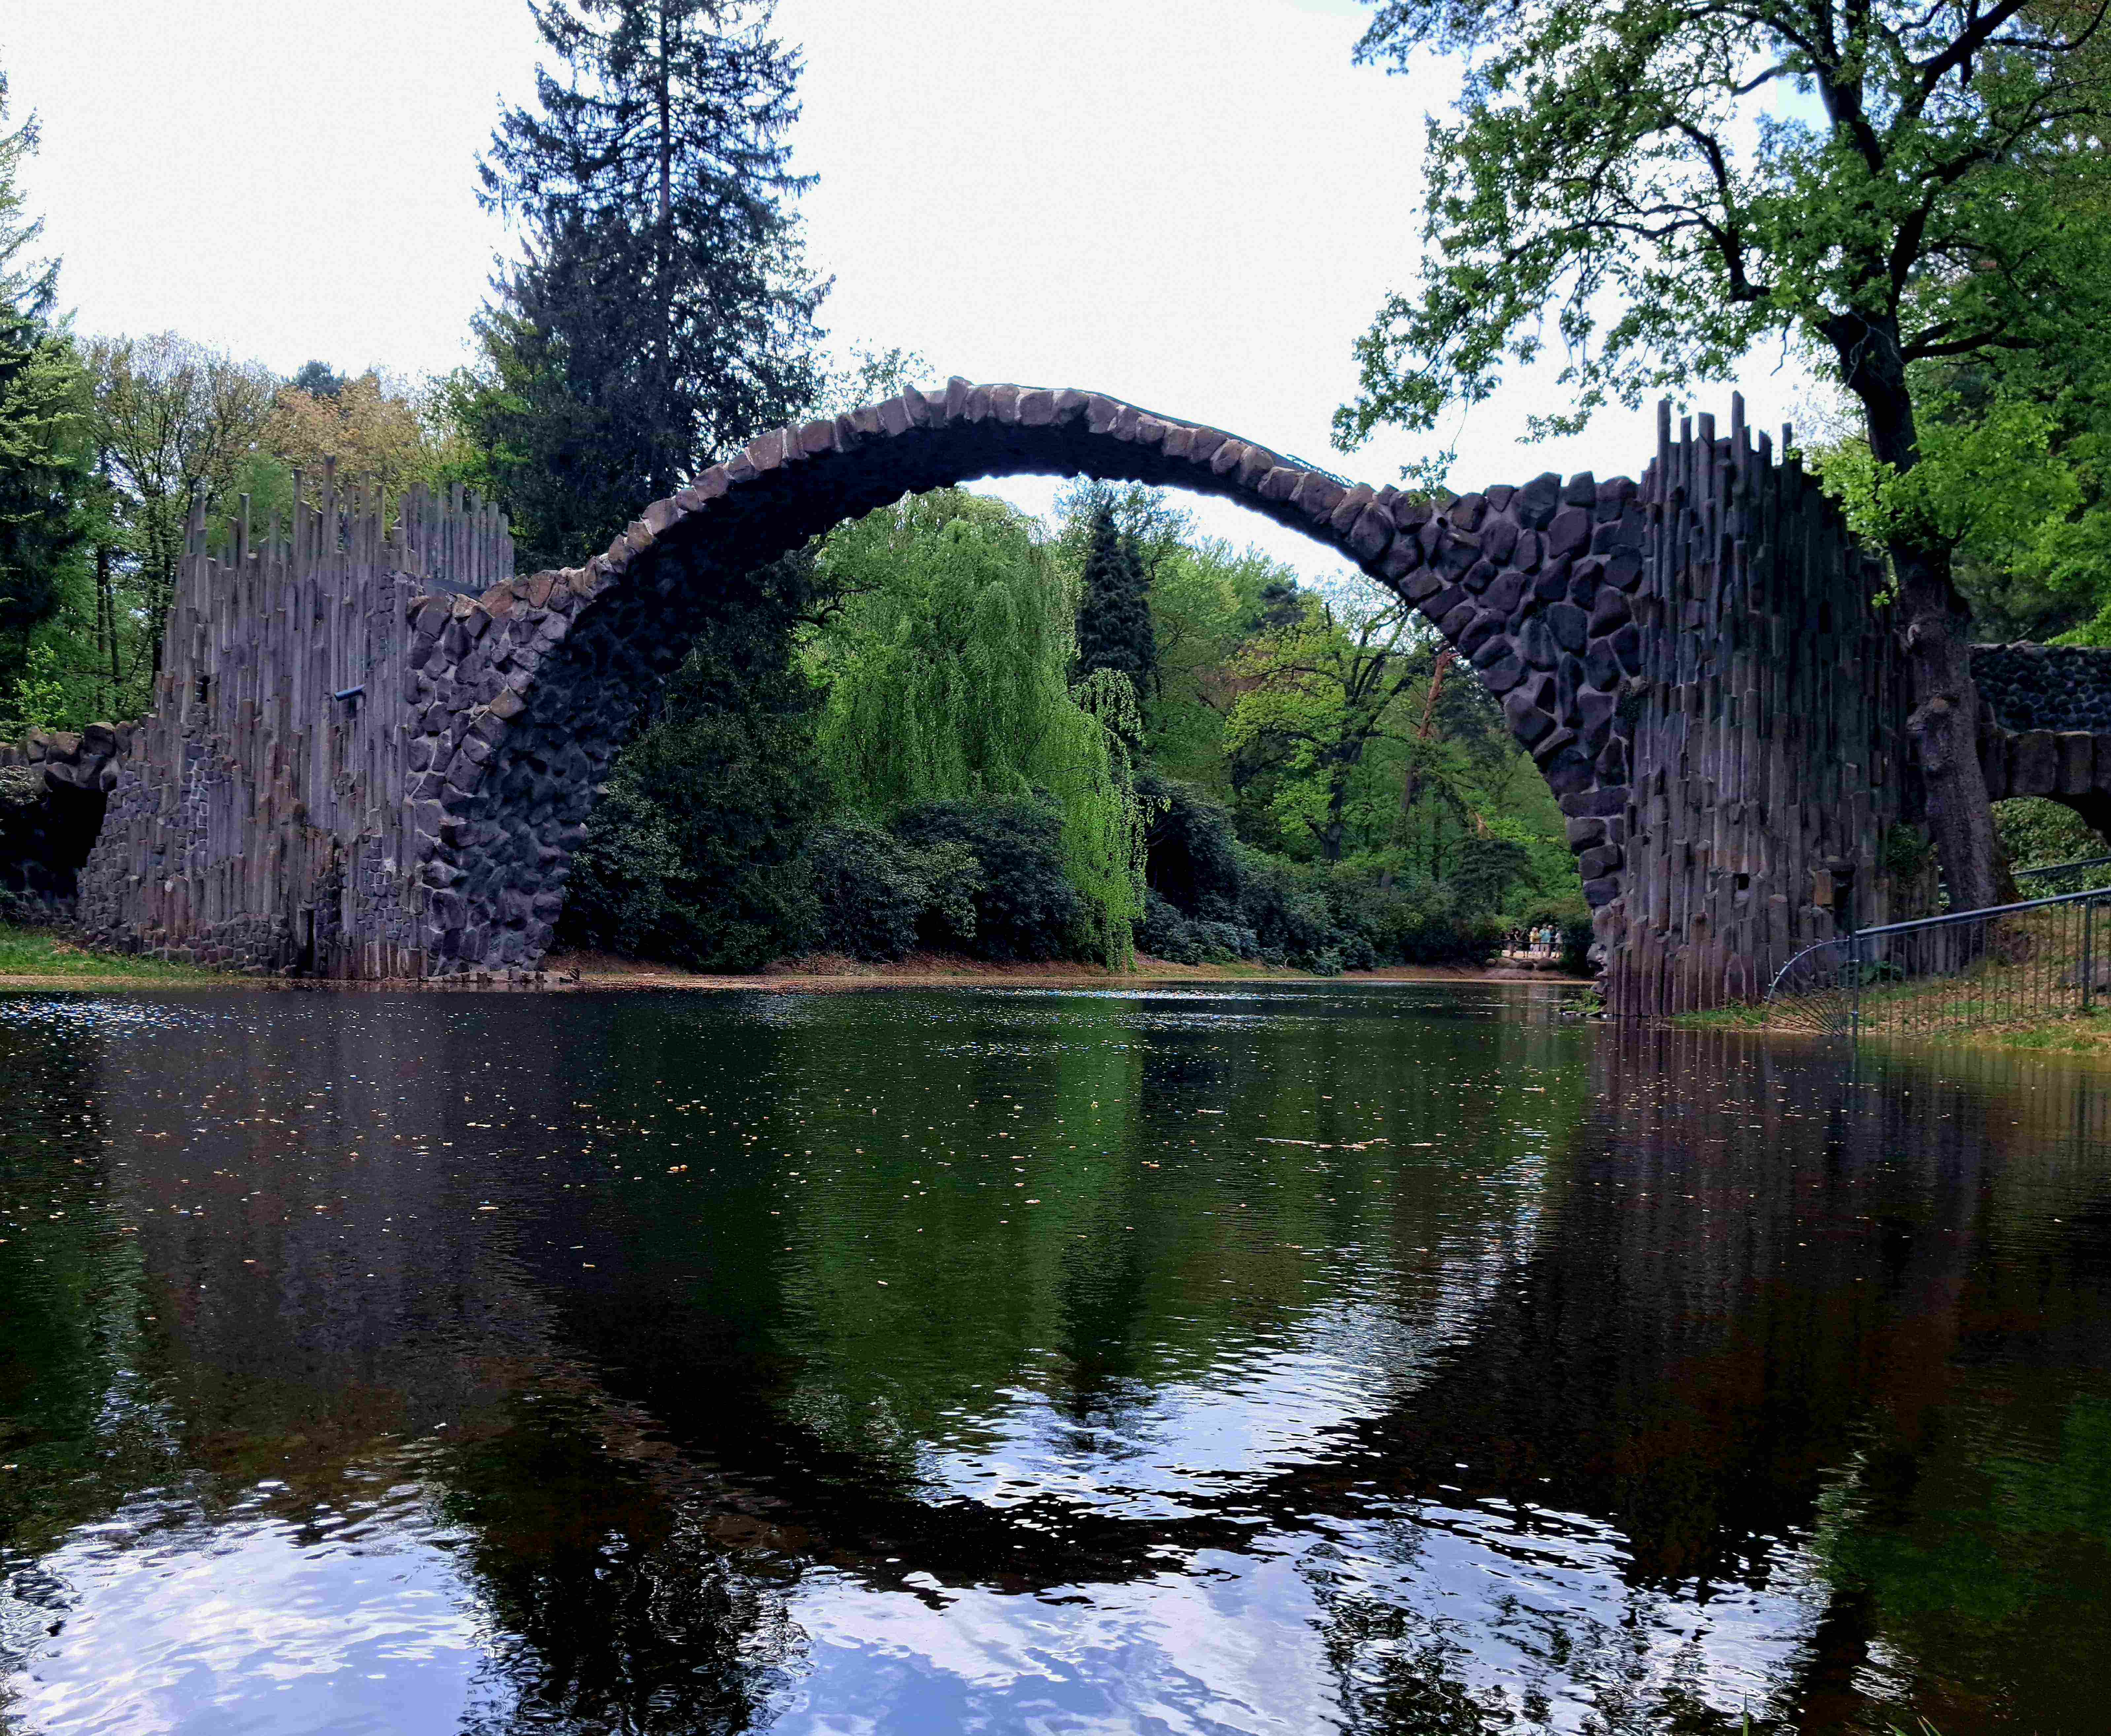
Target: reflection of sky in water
138,1015
344,1623
1535,1614
1180,1447
359,1622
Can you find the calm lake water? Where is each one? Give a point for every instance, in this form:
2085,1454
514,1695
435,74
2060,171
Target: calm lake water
1384,1360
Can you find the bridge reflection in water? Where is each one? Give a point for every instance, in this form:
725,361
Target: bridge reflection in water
1396,1360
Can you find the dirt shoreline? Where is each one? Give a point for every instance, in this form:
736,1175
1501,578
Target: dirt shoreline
575,973
929,970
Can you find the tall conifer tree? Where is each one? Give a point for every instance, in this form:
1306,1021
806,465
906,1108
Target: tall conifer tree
1114,629
43,448
664,313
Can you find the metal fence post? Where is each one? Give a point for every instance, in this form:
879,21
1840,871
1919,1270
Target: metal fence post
1854,968
2088,950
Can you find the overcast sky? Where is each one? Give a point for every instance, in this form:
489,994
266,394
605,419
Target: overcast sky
1196,205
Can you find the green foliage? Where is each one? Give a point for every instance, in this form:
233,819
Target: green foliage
44,455
1327,918
36,952
877,895
1905,853
2036,833
662,315
1114,629
1318,686
39,697
1206,601
1661,179
174,419
945,663
1193,860
693,854
29,287
1027,903
44,468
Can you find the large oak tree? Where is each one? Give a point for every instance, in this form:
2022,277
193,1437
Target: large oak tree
1893,186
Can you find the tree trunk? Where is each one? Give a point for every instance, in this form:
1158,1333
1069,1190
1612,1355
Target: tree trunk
1944,726
1934,622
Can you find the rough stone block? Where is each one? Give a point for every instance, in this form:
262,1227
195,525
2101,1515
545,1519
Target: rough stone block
1400,559
1505,593
1372,532
1536,644
1569,533
1570,626
1627,647
2076,762
2035,769
1484,628
1609,612
1537,501
1527,723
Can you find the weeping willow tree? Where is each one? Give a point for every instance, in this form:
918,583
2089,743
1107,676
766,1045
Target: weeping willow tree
946,672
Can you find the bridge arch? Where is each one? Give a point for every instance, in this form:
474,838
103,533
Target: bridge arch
519,699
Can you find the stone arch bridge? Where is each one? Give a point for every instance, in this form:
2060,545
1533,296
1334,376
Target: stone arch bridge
375,748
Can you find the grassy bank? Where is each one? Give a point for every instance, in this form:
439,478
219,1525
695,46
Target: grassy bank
43,957
2070,1033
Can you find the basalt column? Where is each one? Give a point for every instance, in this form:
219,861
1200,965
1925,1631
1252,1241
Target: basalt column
1767,726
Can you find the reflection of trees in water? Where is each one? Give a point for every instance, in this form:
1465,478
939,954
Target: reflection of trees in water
1759,1271
615,1599
1677,1315
1147,1248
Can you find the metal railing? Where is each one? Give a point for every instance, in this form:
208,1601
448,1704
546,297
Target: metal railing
1972,969
2085,875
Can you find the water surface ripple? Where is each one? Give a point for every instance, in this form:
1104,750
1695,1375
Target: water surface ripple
1384,1360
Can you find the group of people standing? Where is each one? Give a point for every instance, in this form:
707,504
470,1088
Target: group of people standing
1543,940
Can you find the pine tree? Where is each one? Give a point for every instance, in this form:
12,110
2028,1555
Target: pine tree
663,315
44,471
1114,629
43,456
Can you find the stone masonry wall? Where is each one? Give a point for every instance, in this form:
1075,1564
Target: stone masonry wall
52,788
521,698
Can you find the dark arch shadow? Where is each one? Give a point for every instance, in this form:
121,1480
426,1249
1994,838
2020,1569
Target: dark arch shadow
522,697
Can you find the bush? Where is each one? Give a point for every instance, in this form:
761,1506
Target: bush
1346,918
877,897
1166,933
1191,853
1024,906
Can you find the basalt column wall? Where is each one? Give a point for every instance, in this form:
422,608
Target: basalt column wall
1767,729
256,819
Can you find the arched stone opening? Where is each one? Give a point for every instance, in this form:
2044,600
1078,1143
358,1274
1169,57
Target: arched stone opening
519,699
